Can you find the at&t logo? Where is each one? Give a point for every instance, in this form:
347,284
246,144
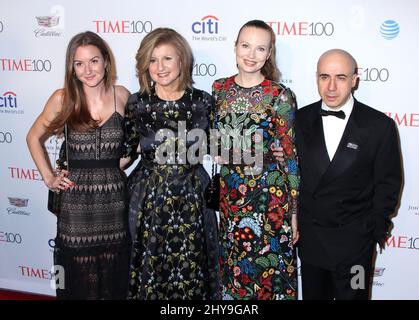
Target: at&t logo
207,29
389,29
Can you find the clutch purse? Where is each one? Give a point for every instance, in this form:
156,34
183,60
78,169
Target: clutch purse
54,202
212,193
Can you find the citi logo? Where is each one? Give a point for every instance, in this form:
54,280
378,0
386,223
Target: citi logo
8,100
207,25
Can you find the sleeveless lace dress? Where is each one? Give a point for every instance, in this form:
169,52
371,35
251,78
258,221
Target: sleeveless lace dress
92,243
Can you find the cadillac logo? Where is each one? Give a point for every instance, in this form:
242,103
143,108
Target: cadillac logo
378,272
18,202
48,21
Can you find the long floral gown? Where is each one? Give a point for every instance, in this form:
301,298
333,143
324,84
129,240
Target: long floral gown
175,236
257,259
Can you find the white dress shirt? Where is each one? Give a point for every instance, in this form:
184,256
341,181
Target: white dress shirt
333,127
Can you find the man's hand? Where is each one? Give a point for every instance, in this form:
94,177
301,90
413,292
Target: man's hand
294,227
278,153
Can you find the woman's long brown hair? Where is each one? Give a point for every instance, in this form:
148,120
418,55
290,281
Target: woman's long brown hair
74,104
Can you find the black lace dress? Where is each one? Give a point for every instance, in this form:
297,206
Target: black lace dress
175,249
93,242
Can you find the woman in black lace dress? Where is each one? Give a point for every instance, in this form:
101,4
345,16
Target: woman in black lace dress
92,242
175,248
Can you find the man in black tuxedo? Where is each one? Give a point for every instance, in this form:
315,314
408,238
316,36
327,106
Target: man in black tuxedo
350,170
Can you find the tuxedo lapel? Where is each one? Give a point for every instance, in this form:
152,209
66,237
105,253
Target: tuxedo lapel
314,142
353,140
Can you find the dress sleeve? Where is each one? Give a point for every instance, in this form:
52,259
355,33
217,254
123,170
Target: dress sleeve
131,133
216,90
286,108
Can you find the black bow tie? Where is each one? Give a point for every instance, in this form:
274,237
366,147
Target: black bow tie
340,114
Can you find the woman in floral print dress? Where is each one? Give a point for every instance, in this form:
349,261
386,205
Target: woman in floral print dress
258,222
175,248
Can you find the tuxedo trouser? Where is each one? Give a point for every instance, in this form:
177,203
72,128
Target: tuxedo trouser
350,280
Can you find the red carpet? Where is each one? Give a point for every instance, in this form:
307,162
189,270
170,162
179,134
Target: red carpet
15,295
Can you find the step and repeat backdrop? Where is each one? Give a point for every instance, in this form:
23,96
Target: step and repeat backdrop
380,34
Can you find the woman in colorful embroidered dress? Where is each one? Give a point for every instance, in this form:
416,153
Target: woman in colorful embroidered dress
175,248
92,243
258,222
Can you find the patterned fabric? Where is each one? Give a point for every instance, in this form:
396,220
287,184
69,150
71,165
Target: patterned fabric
257,259
92,242
175,249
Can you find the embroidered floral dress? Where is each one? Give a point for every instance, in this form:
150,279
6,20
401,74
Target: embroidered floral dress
257,260
175,247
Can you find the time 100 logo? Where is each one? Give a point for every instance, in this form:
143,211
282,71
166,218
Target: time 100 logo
373,74
203,69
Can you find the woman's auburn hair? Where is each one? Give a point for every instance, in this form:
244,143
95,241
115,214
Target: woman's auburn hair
74,110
